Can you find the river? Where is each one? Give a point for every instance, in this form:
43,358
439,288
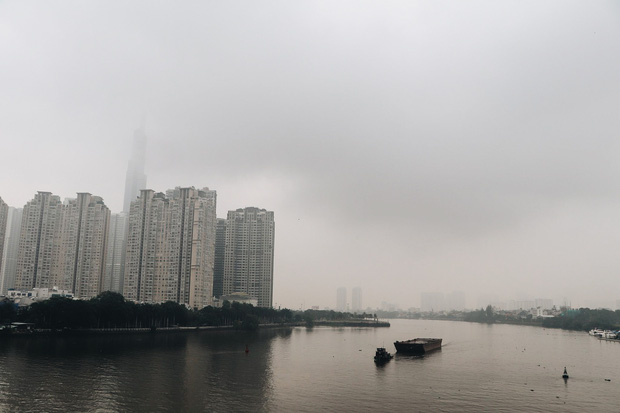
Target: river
481,367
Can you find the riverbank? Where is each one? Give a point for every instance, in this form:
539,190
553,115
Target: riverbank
137,330
351,323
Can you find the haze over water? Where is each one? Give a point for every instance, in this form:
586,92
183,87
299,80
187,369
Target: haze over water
480,368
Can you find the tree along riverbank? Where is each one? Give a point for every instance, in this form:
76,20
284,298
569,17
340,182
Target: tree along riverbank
109,312
582,319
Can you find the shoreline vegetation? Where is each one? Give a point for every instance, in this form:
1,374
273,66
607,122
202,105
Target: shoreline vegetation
110,313
582,319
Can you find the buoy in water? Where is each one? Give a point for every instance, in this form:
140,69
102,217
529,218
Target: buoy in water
565,374
247,350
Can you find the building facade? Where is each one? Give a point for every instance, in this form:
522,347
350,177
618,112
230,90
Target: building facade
115,260
248,255
171,247
11,247
63,245
4,215
220,254
85,236
39,243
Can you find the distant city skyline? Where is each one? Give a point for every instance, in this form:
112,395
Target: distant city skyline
431,146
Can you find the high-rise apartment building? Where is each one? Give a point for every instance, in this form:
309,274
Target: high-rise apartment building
115,260
171,247
63,245
84,245
341,299
39,242
248,257
220,254
4,214
135,179
356,299
11,247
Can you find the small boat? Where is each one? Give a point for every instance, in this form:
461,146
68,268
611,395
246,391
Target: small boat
381,355
565,374
596,332
418,345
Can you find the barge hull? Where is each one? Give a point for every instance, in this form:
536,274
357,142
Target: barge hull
418,345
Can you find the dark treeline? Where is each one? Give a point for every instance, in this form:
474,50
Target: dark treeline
585,319
111,310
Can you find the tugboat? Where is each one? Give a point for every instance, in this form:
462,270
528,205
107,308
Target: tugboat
382,356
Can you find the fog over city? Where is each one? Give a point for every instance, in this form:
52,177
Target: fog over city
404,146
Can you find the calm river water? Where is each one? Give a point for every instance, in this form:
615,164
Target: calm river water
489,368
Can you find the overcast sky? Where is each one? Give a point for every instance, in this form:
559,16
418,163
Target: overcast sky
404,146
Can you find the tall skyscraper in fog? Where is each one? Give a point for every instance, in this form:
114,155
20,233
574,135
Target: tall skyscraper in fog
136,178
356,299
63,245
341,299
11,247
171,246
4,215
248,260
115,260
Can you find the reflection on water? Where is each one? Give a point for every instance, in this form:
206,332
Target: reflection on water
193,371
481,368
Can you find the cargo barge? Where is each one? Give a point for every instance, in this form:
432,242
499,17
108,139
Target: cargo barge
418,345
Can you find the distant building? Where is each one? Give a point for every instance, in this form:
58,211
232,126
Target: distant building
341,299
4,214
170,247
432,302
39,294
521,305
356,299
455,301
115,260
248,256
241,298
544,303
135,179
11,248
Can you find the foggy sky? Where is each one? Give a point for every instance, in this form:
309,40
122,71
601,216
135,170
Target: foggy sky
403,146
